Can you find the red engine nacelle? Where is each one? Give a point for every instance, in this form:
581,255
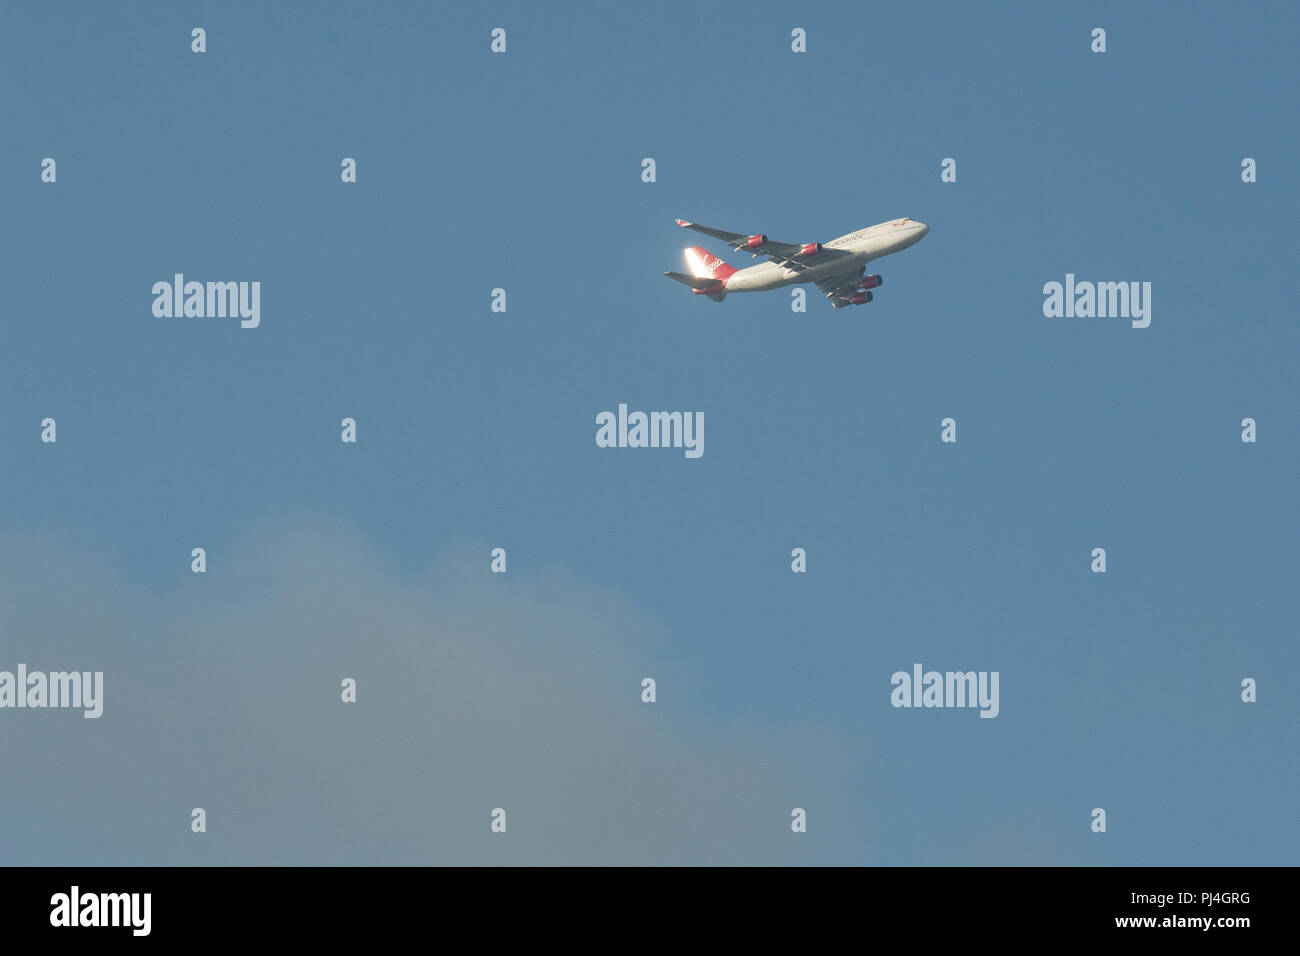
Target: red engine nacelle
861,298
756,242
870,282
811,249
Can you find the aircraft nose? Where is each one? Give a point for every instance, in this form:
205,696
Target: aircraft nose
925,230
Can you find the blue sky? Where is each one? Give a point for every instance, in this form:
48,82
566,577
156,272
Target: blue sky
476,430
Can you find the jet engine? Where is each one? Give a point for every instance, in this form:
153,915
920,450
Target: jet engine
861,298
756,242
870,282
811,249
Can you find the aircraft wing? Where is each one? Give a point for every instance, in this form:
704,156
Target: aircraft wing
842,288
786,253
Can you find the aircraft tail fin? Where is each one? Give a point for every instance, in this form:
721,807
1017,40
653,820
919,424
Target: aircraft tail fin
705,264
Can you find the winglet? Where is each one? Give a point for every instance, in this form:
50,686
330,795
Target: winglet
683,222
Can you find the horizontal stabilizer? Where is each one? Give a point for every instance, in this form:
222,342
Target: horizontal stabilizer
695,282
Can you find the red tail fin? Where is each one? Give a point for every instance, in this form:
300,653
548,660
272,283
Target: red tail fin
706,265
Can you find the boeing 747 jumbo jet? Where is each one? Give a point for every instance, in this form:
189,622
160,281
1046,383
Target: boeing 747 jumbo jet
839,267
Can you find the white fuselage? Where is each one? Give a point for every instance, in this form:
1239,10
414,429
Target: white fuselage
862,246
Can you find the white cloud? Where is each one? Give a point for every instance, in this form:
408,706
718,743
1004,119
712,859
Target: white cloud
475,691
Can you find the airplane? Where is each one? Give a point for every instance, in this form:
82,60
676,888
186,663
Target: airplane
838,267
